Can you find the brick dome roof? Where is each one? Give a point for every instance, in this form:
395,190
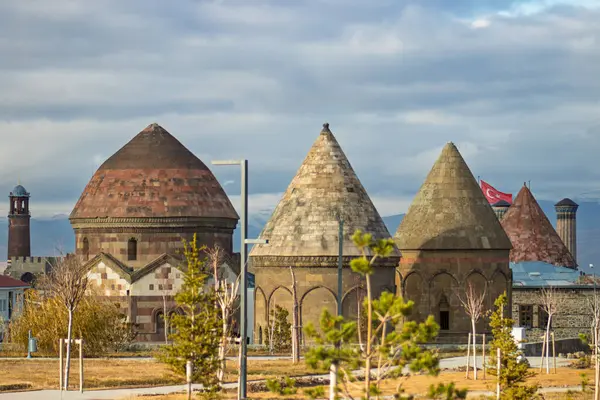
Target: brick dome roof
152,176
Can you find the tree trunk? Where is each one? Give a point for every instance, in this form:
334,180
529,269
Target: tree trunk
223,346
548,344
474,350
597,364
332,381
295,336
68,361
166,324
369,340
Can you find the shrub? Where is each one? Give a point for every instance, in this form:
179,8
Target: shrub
98,321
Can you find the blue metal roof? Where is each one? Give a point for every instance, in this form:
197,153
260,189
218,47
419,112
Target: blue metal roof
538,273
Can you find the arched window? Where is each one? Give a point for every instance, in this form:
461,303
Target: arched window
85,249
260,335
132,249
444,308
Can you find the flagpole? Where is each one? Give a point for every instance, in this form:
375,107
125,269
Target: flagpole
478,180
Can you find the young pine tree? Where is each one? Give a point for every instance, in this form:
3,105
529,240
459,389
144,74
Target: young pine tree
513,373
390,345
197,331
280,330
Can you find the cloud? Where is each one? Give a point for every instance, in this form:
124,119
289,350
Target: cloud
256,79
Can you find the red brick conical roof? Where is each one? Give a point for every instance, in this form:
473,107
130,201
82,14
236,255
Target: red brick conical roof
532,235
153,175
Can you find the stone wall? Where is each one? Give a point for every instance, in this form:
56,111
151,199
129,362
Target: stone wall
573,315
433,278
151,243
316,290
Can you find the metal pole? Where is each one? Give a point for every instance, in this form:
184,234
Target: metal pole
60,357
81,365
244,283
29,345
341,251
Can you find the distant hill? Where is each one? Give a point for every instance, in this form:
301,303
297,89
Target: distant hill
49,234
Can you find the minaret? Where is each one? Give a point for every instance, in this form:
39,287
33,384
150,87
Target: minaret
500,208
19,242
566,224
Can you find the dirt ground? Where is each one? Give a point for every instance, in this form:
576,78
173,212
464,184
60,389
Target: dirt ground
110,373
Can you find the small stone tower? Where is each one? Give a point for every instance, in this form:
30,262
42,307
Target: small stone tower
566,224
19,241
500,208
303,235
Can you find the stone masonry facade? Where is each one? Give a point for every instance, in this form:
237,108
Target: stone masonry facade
573,317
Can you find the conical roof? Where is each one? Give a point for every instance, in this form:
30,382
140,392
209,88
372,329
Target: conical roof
532,235
450,211
303,229
153,175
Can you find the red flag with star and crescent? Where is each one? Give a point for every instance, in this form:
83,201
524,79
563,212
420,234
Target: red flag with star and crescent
493,196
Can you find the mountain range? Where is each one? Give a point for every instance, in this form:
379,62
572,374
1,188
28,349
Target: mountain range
51,236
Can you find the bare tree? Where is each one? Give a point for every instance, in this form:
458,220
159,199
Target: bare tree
227,295
594,307
295,322
68,282
473,302
165,286
549,300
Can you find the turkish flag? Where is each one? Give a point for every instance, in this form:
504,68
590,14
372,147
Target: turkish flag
493,196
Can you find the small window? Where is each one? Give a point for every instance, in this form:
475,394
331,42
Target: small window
151,286
85,249
526,316
132,249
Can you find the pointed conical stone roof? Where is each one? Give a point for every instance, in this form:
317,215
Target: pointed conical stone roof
153,175
303,229
450,211
532,235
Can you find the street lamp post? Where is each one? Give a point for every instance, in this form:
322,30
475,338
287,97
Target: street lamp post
242,383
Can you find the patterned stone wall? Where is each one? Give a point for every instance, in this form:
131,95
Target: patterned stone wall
433,280
151,244
573,317
316,289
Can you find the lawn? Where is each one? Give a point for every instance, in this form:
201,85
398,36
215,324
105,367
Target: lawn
110,373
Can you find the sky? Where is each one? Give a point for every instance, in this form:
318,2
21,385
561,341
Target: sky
513,83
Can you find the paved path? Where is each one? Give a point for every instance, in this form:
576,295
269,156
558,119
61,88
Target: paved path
114,394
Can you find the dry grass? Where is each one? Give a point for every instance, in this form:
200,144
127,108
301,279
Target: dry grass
110,373
565,377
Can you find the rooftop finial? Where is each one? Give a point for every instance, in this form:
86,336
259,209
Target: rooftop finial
326,126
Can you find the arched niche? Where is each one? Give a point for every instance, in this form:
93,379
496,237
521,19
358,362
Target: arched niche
281,297
498,285
479,287
313,303
414,289
445,305
352,301
260,312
